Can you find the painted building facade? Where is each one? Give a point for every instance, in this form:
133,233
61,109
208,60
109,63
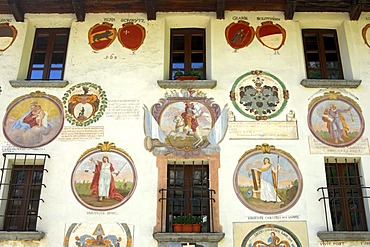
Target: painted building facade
274,157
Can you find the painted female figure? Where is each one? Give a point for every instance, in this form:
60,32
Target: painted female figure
267,177
103,182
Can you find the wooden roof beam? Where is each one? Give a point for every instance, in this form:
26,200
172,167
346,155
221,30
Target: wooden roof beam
356,9
78,7
290,9
151,11
220,9
17,11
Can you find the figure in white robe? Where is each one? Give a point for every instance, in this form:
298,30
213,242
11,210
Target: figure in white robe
268,181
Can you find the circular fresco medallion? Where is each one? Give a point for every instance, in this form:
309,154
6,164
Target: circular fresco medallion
104,177
186,124
335,120
271,235
267,180
259,95
84,103
33,120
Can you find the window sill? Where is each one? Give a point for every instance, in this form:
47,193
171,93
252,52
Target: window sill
39,83
187,83
11,236
325,83
212,238
344,236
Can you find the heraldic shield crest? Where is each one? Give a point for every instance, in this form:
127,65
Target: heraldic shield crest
239,35
84,103
101,35
131,36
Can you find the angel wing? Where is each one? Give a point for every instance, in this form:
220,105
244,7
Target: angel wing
151,127
218,130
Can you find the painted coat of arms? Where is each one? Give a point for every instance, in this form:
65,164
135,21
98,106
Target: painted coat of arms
131,36
187,123
335,120
8,34
33,120
101,35
84,103
259,95
239,35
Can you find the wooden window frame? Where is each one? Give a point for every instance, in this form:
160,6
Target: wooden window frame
342,190
188,33
49,50
324,70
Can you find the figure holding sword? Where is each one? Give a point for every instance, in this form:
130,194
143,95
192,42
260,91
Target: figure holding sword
103,182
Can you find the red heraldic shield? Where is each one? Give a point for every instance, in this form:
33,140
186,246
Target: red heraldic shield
239,35
271,35
131,36
101,35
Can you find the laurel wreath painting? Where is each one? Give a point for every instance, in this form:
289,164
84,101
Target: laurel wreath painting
335,120
104,177
267,180
259,95
84,103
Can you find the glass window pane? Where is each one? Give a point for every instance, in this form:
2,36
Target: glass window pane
36,75
313,60
314,74
57,60
178,42
311,42
329,42
55,75
197,43
42,41
60,42
37,177
197,60
38,60
334,74
332,60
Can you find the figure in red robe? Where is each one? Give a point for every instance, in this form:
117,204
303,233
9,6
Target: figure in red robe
103,182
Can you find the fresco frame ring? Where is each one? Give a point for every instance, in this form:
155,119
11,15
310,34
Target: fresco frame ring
124,171
166,111
321,129
289,183
33,134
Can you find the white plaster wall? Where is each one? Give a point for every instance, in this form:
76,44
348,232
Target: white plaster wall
135,75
